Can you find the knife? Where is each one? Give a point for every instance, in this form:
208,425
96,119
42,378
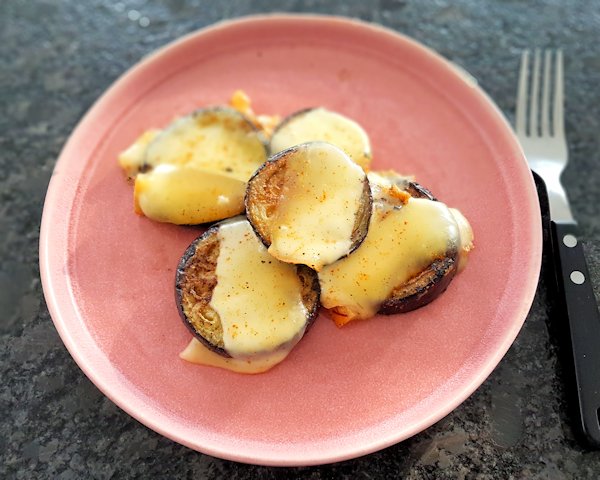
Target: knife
543,140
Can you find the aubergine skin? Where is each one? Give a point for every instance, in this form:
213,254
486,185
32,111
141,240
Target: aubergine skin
310,277
422,289
363,218
417,190
271,163
179,277
310,280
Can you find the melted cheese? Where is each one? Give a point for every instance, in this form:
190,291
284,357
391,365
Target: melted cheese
241,102
196,352
386,193
132,159
386,179
187,196
196,169
401,243
324,125
466,238
315,216
219,141
257,297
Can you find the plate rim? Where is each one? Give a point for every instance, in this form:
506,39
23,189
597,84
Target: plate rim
334,454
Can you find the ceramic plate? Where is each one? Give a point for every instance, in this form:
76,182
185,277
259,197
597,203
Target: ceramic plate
108,274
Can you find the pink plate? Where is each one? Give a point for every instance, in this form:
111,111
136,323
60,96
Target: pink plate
108,274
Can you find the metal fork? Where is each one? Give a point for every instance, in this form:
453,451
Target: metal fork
542,136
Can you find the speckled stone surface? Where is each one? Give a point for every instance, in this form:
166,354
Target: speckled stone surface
58,56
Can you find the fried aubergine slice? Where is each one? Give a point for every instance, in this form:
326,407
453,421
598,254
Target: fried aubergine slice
310,204
409,257
238,300
195,171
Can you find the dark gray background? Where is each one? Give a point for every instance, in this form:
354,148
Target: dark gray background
57,57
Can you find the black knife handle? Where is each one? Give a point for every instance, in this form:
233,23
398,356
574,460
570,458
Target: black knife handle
584,323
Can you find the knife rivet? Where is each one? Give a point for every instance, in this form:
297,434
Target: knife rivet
569,240
577,277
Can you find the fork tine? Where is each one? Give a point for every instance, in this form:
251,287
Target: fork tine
535,91
546,94
558,119
522,95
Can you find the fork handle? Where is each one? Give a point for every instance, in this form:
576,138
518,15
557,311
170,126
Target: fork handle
584,323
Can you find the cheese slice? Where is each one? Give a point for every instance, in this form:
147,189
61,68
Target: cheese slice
218,140
316,214
196,352
186,195
258,298
195,170
132,159
324,125
402,241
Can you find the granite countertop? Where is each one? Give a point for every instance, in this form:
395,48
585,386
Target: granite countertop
58,56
